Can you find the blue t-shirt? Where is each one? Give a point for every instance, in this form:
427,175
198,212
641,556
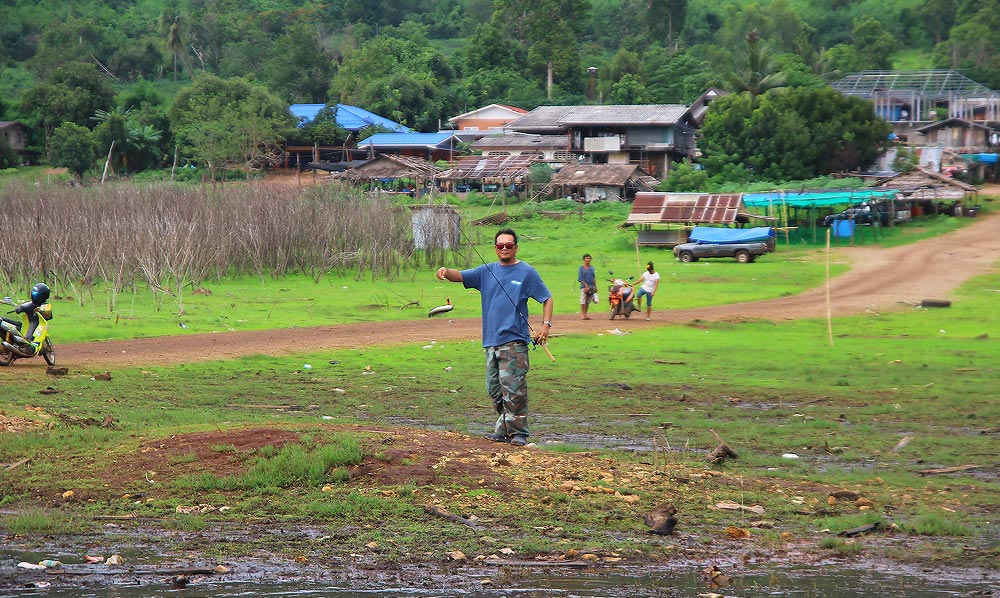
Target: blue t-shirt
586,276
499,292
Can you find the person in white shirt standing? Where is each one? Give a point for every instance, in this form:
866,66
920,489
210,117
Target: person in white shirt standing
648,282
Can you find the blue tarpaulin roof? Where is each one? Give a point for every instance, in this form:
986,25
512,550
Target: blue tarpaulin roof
714,234
817,198
351,118
984,158
420,140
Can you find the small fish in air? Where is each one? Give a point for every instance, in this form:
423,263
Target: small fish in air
441,309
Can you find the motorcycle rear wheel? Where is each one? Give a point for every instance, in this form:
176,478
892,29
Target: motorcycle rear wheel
48,352
6,357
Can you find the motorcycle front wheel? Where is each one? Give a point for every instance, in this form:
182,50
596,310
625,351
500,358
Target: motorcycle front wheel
48,352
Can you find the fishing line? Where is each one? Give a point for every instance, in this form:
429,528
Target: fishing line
499,284
531,335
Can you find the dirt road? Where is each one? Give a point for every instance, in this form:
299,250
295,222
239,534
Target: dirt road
879,278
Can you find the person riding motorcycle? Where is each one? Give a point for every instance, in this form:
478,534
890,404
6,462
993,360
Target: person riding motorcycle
39,295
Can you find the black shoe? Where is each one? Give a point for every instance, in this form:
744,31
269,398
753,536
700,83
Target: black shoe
518,440
498,437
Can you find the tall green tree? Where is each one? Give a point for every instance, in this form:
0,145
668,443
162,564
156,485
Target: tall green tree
308,81
665,19
111,134
550,31
73,40
873,43
937,17
790,135
324,128
72,146
72,93
628,90
172,28
398,79
680,80
224,122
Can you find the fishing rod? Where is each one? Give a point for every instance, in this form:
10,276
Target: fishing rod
442,309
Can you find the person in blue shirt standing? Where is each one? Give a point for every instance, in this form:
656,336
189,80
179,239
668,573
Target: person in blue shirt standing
504,287
588,286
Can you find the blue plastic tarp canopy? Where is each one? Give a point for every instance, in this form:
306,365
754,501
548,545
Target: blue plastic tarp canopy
714,234
816,198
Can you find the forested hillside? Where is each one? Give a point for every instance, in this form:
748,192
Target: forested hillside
422,61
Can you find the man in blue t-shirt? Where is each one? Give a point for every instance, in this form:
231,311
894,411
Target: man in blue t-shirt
504,287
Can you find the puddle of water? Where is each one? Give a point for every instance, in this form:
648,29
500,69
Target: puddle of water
483,582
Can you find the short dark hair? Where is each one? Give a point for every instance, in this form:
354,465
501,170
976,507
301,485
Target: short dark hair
586,255
505,231
649,265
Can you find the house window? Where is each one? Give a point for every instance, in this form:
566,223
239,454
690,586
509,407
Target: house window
497,153
563,155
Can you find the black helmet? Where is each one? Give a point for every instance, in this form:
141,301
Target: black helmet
40,293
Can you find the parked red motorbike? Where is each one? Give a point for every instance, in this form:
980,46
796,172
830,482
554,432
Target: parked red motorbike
621,297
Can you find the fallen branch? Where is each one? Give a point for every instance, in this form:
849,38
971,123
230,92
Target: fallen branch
947,469
19,463
665,362
439,512
868,527
571,564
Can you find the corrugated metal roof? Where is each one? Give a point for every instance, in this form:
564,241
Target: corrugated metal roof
390,166
543,117
556,117
513,109
702,208
479,167
522,141
351,118
643,114
937,83
614,175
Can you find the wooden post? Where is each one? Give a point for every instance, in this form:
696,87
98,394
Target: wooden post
829,311
107,163
174,165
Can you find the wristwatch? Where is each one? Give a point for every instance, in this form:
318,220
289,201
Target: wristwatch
547,322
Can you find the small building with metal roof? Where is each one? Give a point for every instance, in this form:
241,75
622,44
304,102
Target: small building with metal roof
651,136
431,146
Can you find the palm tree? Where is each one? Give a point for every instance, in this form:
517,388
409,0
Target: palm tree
755,73
172,26
144,145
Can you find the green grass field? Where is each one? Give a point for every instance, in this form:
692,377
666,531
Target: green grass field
895,395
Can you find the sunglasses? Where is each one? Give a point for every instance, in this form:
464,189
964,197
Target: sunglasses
506,245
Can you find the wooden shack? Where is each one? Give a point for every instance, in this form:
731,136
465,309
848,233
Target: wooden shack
666,219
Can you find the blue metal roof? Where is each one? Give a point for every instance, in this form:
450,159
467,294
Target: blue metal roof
351,118
421,140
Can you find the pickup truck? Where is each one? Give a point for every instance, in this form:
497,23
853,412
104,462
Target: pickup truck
743,252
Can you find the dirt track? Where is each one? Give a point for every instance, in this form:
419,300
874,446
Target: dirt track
879,278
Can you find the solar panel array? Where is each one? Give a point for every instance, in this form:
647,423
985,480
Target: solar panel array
702,208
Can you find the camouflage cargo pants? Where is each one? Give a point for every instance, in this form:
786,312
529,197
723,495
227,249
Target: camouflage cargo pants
507,385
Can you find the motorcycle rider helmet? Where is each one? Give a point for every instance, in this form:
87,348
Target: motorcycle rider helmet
39,293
